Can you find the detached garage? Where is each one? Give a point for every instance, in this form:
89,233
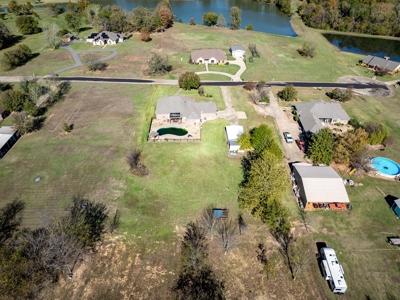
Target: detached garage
233,132
238,51
319,185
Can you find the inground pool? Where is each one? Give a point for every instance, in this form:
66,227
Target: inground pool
386,167
172,130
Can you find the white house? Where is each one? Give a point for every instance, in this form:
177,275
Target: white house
210,56
238,51
332,270
233,132
105,38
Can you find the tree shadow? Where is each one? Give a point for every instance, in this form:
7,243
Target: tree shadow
84,29
13,40
38,122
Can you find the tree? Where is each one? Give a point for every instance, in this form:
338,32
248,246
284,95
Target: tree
235,15
94,63
23,122
144,34
13,100
53,9
10,219
284,6
14,58
321,147
4,34
341,94
189,80
135,166
227,233
348,144
268,264
29,5
82,5
70,7
192,21
73,21
307,50
210,18
259,134
50,32
166,16
264,182
158,64
208,220
194,246
378,132
244,141
249,27
299,257
289,93
142,17
221,21
27,25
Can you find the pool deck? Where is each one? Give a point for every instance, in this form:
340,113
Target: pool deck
193,135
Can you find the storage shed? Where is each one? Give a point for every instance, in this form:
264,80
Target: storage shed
233,132
319,185
8,137
396,207
238,51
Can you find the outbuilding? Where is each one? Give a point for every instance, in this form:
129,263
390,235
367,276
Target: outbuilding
396,207
238,51
319,186
233,132
8,137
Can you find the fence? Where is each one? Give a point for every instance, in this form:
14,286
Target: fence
173,140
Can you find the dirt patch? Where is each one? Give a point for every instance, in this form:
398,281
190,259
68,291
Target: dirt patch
383,91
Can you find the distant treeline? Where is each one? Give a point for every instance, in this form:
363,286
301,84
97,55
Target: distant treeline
362,16
283,5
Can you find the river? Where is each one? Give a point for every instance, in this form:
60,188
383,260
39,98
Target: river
366,45
263,17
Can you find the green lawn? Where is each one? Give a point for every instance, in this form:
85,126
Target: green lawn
230,69
215,77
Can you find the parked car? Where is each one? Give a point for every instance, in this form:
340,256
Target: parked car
288,137
337,206
301,145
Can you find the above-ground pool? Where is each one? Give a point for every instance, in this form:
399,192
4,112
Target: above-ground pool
386,167
172,130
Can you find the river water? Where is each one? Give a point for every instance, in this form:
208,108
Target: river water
263,17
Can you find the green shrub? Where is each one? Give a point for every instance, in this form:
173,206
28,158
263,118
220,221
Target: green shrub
27,24
189,80
378,132
13,100
14,58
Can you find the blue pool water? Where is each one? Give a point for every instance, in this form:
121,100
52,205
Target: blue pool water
386,166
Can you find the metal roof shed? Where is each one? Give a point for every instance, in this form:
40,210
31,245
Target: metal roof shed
396,207
233,132
319,184
8,137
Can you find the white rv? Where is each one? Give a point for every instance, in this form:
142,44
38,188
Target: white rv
332,270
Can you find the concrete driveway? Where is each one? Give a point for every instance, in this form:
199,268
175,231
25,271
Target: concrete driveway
285,122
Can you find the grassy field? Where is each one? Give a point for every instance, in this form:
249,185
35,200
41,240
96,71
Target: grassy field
214,77
230,69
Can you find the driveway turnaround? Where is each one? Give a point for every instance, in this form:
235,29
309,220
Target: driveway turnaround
237,77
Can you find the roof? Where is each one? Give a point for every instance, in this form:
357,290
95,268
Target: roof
6,132
321,184
68,35
334,267
187,107
237,47
208,53
310,114
233,132
381,63
105,35
397,202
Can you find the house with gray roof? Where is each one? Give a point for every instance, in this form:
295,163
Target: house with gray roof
238,51
182,109
105,38
210,56
378,63
316,115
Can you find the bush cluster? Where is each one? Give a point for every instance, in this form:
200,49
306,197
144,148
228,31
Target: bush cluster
14,58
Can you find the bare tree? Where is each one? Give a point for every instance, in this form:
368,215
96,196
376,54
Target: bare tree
299,257
23,122
50,32
208,220
135,166
228,234
194,246
304,218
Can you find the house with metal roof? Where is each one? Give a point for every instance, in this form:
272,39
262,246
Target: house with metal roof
209,56
378,63
179,108
233,132
319,185
238,51
8,137
316,115
105,38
